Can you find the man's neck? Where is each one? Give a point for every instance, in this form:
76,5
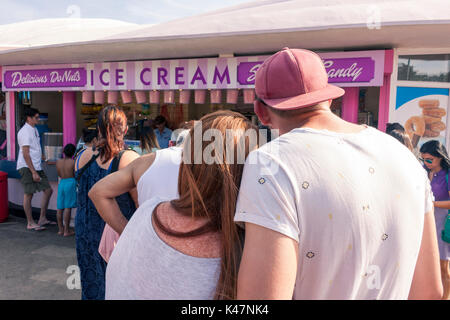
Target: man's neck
313,119
319,119
30,124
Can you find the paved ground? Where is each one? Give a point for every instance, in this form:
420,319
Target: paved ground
33,264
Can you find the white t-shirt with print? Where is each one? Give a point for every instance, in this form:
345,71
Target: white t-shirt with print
355,203
29,136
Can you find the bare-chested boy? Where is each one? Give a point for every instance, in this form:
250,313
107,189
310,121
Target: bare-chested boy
67,190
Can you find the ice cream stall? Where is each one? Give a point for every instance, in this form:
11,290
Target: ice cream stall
69,96
384,55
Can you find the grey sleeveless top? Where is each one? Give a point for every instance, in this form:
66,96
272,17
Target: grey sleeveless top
143,266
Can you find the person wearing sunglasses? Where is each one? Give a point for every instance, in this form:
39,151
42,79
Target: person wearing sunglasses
437,163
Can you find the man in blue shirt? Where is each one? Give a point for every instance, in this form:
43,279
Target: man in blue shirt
163,134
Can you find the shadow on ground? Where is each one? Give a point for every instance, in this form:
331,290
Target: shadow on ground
33,264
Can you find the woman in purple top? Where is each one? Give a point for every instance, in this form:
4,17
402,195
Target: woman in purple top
437,164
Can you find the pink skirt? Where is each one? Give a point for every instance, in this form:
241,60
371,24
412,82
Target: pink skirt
107,242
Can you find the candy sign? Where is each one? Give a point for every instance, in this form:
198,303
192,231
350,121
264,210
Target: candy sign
349,70
247,72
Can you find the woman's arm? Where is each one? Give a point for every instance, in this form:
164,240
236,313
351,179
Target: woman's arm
127,158
104,192
443,204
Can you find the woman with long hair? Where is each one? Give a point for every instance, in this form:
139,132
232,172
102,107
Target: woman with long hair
403,137
148,142
92,164
189,248
437,164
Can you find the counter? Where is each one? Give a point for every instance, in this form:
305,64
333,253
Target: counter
10,168
15,188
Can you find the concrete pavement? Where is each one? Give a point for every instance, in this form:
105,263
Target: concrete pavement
33,264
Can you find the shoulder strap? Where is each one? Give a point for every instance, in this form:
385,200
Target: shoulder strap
116,161
446,179
77,158
81,171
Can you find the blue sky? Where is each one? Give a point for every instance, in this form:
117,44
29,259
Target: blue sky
135,11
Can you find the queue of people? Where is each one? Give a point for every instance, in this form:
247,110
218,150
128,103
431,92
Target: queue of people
315,214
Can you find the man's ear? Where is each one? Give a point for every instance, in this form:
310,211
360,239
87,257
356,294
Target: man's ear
262,113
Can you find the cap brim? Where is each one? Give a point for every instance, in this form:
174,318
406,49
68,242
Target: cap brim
306,100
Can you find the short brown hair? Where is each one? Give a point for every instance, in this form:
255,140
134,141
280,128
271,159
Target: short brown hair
292,112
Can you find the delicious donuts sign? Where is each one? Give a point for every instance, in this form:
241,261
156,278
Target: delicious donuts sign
344,69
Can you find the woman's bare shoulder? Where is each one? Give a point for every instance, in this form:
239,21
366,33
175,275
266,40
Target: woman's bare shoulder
141,164
127,157
84,157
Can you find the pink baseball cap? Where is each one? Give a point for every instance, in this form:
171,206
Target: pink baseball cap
293,79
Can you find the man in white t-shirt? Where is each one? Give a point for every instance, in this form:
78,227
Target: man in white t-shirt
332,210
33,178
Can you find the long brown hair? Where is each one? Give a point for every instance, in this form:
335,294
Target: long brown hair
211,190
149,141
403,137
112,127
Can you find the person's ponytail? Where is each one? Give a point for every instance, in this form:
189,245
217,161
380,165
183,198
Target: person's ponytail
112,125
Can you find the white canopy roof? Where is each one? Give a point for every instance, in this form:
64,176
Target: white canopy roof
45,32
270,16
259,27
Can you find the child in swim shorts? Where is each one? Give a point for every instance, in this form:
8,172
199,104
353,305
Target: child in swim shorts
67,190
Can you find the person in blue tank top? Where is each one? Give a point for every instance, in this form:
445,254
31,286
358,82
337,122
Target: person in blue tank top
93,164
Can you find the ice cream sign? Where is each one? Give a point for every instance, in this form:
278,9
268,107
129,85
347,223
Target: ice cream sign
343,69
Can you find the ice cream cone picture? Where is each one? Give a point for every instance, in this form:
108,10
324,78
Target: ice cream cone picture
432,116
